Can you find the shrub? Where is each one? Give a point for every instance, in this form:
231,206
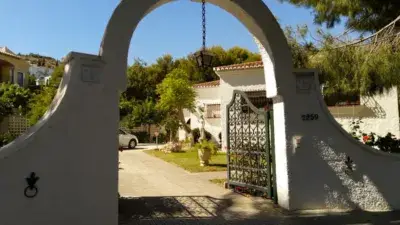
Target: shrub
6,138
143,136
388,143
196,135
162,138
172,147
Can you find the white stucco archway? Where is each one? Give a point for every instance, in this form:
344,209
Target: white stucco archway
259,20
73,148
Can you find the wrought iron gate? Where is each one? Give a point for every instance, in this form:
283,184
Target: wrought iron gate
250,145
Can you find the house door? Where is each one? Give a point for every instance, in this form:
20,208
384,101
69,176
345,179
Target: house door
20,79
250,146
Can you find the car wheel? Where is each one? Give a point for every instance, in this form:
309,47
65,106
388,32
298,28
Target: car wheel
132,144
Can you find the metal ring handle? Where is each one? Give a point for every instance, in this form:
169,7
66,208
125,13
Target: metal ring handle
35,191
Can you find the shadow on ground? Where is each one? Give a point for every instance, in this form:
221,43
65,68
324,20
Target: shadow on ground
191,210
217,164
208,210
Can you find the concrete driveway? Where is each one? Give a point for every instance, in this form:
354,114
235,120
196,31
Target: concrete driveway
151,187
156,192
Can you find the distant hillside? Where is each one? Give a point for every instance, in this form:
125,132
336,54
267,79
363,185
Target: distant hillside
39,60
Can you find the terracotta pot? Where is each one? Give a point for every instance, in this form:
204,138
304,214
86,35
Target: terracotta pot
204,157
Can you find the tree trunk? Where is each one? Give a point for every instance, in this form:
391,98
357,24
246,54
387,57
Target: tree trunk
202,131
186,127
183,122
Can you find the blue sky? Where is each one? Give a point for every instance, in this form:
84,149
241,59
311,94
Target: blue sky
56,27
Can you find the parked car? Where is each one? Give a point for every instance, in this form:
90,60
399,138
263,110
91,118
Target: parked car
127,140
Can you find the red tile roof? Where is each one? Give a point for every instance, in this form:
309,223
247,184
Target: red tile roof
241,66
6,51
214,83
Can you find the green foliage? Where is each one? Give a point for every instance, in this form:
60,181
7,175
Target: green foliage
125,106
41,101
366,70
171,125
196,135
56,76
31,80
222,57
301,51
146,82
13,99
162,138
143,136
141,113
361,15
358,69
189,160
176,92
140,86
6,138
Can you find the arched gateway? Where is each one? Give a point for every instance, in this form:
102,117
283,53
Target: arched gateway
72,149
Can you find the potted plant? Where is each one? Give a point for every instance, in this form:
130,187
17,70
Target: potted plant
205,149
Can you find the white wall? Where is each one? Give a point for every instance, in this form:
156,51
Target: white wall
205,95
385,108
70,189
244,80
39,71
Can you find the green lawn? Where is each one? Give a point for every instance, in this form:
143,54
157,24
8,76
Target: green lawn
190,161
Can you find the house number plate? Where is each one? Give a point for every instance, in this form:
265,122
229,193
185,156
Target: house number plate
311,116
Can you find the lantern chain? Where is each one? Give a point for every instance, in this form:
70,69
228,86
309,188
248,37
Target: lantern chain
204,23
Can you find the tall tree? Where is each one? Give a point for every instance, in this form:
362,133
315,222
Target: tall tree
300,47
41,101
143,113
360,15
176,93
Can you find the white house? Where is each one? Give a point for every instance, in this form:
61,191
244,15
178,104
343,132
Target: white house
379,113
42,74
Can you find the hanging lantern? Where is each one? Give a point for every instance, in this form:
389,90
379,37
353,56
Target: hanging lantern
203,57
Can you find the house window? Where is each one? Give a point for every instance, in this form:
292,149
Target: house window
20,79
259,99
213,111
339,99
347,105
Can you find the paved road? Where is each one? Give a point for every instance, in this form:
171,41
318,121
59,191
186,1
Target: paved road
156,192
